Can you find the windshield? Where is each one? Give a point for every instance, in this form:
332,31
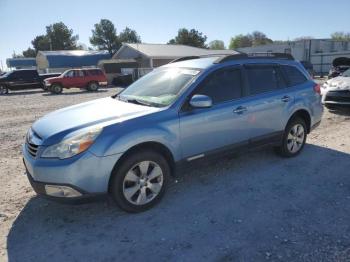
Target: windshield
346,73
68,73
158,88
6,74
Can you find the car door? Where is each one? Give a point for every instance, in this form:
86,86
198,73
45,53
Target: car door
209,130
13,80
68,79
80,78
267,101
30,79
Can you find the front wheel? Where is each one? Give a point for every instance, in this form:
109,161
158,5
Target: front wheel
294,138
140,181
3,90
56,89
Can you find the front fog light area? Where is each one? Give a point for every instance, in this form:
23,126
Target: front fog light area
61,191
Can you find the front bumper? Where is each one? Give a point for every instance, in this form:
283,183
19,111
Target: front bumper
104,83
42,189
338,97
86,174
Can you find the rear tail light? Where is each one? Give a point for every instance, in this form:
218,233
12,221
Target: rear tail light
317,88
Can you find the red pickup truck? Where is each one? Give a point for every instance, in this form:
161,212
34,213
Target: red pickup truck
90,79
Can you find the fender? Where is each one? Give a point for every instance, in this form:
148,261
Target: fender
166,134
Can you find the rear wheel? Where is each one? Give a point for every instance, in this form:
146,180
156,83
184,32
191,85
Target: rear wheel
56,89
93,86
3,90
294,138
140,181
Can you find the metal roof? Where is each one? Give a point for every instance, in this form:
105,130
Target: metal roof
73,58
21,62
171,51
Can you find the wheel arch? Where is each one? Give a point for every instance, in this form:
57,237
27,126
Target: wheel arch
151,145
303,114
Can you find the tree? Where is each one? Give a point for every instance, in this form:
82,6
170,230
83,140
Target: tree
58,37
14,55
30,52
340,36
61,37
41,43
260,38
104,36
189,37
240,41
129,36
254,39
217,45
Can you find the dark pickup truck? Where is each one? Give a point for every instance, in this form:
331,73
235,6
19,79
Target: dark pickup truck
22,79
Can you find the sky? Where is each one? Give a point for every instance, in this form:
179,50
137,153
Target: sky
157,21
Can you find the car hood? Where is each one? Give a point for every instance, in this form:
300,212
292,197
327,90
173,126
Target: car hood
48,79
101,112
337,83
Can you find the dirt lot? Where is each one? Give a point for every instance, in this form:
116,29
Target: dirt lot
250,207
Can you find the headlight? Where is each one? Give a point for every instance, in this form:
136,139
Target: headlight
73,145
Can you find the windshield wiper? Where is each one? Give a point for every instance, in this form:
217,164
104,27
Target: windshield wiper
133,100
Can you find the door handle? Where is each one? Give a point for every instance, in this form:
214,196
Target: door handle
285,99
240,110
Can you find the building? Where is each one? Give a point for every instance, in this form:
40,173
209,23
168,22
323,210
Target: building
319,52
59,61
21,63
149,56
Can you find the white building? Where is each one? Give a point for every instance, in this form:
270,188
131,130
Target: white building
320,52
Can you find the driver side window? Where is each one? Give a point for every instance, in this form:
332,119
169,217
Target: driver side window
70,73
222,85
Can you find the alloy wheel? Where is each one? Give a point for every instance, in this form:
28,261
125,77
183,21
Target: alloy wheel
143,182
3,90
295,139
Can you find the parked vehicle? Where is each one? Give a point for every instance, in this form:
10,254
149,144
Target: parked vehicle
22,79
340,65
129,145
336,91
90,79
309,67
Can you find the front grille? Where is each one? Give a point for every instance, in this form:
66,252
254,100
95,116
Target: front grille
32,149
338,96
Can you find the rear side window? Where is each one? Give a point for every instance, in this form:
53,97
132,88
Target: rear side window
295,77
27,74
94,72
222,85
264,78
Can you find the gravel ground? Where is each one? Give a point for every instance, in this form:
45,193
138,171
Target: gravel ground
254,206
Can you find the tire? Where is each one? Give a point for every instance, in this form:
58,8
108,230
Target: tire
131,184
56,89
93,86
4,90
294,138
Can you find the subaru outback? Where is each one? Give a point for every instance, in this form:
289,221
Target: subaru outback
129,145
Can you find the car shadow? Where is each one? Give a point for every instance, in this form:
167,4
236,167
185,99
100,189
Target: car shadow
24,92
247,207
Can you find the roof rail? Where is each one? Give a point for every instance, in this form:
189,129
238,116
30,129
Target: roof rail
184,58
258,55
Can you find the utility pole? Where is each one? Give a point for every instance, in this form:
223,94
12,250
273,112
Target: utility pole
50,44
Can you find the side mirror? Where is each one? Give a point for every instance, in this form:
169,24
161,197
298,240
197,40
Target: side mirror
201,101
